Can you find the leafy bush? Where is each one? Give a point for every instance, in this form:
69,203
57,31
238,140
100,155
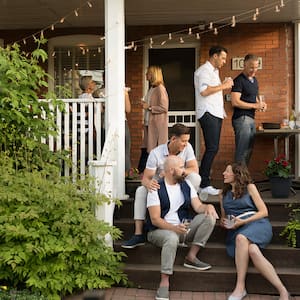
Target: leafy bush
50,240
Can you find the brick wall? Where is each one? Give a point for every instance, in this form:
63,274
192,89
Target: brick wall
273,42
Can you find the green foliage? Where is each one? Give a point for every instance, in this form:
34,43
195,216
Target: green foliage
278,166
24,118
50,239
292,226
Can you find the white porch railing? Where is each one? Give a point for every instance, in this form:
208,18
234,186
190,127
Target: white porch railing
79,131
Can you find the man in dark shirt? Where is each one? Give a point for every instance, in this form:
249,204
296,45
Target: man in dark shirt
245,100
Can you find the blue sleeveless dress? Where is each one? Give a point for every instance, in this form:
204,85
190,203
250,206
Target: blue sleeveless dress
258,232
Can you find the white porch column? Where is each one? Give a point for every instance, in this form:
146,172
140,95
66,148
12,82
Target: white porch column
114,86
297,95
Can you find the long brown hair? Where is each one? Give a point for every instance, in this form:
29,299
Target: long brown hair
242,178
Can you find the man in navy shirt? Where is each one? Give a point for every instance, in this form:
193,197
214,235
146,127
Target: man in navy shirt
245,101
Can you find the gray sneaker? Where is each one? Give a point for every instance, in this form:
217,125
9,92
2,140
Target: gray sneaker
162,293
196,264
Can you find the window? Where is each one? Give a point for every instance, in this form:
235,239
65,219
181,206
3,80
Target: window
73,56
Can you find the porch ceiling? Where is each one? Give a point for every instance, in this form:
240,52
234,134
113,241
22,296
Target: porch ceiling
39,14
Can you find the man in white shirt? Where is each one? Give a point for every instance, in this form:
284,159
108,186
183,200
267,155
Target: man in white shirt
168,207
177,145
210,110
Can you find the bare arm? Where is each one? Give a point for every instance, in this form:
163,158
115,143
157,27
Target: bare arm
237,102
191,167
262,210
127,103
200,207
148,181
154,212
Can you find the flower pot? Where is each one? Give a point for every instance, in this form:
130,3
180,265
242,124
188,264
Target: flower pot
280,186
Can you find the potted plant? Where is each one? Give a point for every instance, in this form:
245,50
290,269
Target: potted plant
279,172
292,229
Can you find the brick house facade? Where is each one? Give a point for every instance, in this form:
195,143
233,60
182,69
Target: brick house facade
273,42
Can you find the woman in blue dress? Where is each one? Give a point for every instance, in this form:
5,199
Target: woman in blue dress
245,215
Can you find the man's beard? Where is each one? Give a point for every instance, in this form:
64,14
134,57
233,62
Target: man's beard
179,178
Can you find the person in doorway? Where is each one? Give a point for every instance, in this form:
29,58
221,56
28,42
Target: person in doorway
210,110
155,105
249,228
245,101
177,145
168,207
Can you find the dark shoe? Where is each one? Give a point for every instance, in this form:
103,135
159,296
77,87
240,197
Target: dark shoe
162,293
197,264
136,240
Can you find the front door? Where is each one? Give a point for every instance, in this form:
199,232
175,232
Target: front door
178,66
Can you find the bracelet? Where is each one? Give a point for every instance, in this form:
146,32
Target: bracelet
149,108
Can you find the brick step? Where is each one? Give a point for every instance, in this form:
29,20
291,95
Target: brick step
218,235
217,279
214,254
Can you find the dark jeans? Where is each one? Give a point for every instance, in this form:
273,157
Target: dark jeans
211,128
244,129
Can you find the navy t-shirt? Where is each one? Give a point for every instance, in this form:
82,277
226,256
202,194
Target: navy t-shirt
249,91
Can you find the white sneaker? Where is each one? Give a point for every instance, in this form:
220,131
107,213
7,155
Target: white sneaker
210,190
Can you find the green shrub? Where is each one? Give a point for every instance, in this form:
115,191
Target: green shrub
50,240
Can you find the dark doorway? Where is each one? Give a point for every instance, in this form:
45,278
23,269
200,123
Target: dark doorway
178,66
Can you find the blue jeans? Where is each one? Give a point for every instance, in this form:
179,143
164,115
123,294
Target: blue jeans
244,129
211,128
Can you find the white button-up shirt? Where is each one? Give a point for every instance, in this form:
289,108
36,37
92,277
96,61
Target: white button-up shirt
206,75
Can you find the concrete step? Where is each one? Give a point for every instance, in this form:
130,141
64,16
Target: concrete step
217,279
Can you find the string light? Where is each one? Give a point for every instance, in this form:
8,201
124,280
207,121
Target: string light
233,22
24,41
99,49
135,48
69,53
53,53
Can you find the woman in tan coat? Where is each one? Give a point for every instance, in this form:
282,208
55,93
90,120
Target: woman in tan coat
155,105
